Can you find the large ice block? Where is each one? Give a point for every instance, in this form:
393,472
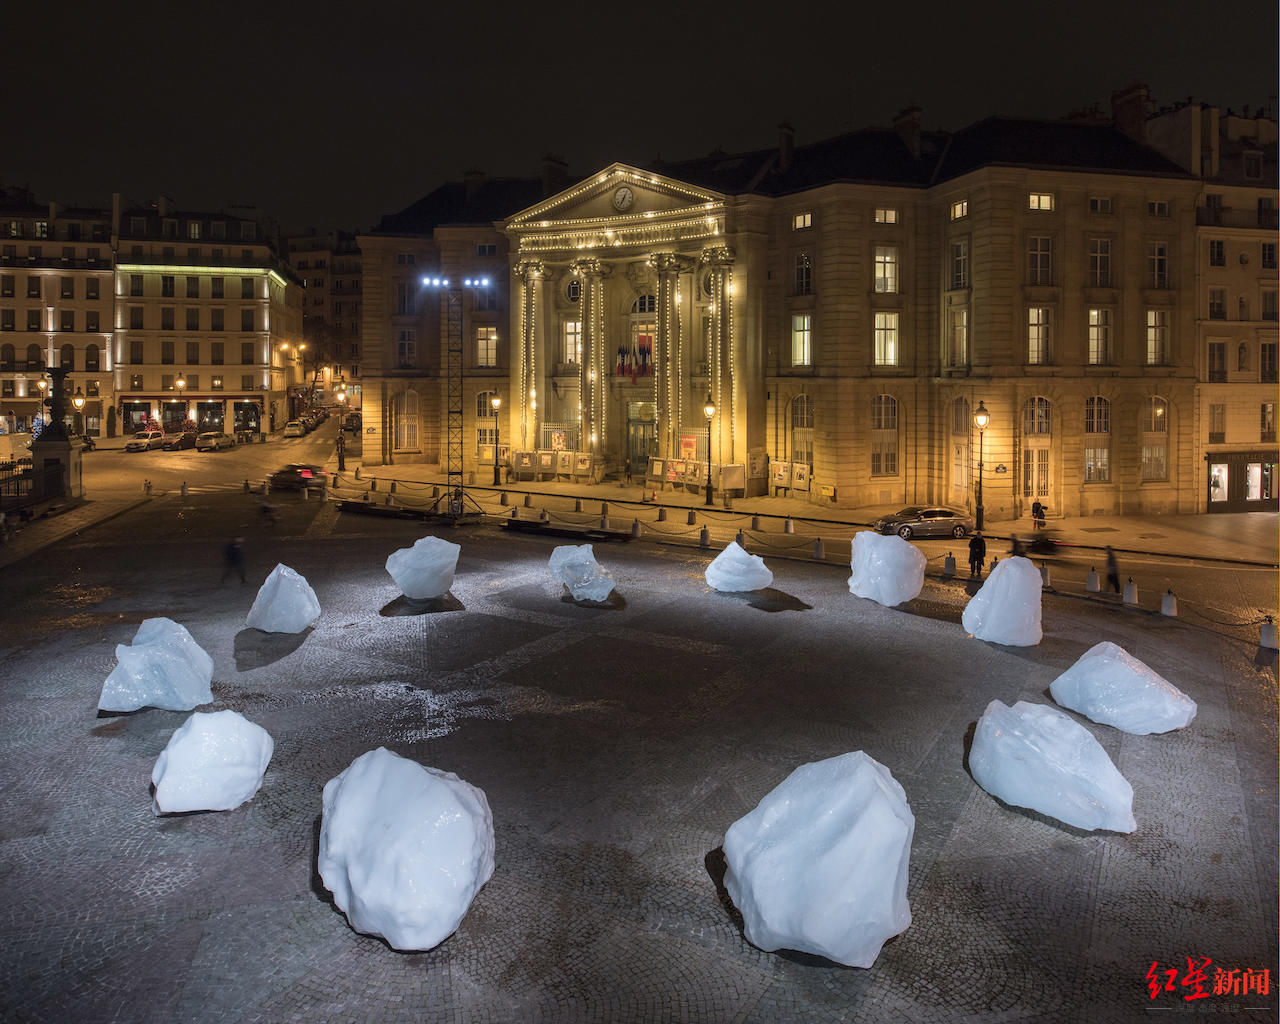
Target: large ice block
1109,685
1006,610
821,864
164,668
1032,755
576,566
734,570
887,570
285,603
214,761
425,570
404,848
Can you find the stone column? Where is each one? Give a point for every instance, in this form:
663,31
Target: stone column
593,384
666,354
526,358
722,371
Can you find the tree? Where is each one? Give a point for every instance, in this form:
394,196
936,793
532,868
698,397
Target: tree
321,342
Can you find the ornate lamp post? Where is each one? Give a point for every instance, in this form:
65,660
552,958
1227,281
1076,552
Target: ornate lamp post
78,401
710,409
980,420
181,385
496,402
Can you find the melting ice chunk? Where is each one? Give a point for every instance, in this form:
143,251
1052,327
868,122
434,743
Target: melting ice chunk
1006,610
734,570
404,848
586,579
164,668
821,864
213,762
1111,686
888,570
285,603
425,570
1032,755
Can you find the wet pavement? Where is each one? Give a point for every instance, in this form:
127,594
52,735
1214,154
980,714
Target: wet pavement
615,745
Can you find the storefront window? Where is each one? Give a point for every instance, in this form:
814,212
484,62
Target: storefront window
1218,481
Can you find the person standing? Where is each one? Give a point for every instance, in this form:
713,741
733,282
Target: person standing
1037,515
977,555
233,559
1113,570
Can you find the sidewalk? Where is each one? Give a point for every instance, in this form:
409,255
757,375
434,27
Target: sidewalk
59,525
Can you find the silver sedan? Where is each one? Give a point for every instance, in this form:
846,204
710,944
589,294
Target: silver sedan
926,521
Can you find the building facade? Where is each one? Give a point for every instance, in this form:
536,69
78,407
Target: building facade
331,271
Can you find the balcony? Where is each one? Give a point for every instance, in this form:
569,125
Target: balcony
1225,217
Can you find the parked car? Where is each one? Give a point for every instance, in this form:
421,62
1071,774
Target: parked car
86,442
926,521
294,428
212,441
177,442
145,440
296,476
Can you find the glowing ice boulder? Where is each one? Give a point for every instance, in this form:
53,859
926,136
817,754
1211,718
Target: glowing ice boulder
285,603
888,570
1032,755
425,570
576,566
1006,610
734,570
1109,685
213,762
163,668
821,864
404,849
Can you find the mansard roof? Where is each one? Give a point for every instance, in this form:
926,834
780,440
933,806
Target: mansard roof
455,203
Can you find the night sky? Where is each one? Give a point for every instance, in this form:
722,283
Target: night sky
331,115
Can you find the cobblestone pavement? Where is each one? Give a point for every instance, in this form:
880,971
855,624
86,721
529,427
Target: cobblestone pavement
615,745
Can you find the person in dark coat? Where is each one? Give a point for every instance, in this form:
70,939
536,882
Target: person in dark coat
977,555
233,559
1113,571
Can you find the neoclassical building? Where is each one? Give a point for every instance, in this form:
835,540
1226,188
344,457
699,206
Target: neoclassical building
845,306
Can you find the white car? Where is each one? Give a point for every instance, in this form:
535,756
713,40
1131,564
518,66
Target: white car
145,440
294,428
212,440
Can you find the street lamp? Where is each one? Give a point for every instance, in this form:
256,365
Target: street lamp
78,401
980,420
496,402
710,409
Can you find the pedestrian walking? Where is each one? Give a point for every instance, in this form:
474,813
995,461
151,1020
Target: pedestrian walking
1113,571
233,559
977,555
1037,515
627,469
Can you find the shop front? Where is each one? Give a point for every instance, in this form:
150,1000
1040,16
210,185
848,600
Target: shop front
210,416
247,416
1241,481
135,416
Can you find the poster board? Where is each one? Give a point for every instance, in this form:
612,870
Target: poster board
800,476
688,446
564,463
695,473
522,464
675,469
781,474
733,477
757,465
557,440
656,469
582,464
486,454
546,462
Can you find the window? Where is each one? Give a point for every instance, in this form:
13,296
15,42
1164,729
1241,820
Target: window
802,430
486,346
960,421
1269,305
135,382
167,318
216,352
246,320
33,288
886,339
193,229
248,230
1242,357
803,278
484,405
6,320
1099,337
1100,262
884,436
1269,255
33,319
246,382
135,353
1268,426
34,360
1157,265
246,353
1217,362
1037,417
573,290
193,353
406,296
1157,337
1217,253
484,299
166,285
886,215
1267,363
193,287
6,286
801,221
191,382
1099,204
193,319
166,382
42,229
167,254
960,209
93,388
166,353
135,318
801,340
7,388
487,249
886,263
1217,303
1097,416
216,288
1097,443
407,350
1038,335
67,357
1039,268
66,320
1158,208
403,259
1041,201
571,352
960,263
246,287
1252,165
91,288
958,338
1155,443
1217,423
67,288
404,416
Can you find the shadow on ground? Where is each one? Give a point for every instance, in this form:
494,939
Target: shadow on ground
408,606
256,649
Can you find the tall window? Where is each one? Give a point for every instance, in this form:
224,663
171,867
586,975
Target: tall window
960,421
886,268
1099,337
1217,423
1217,303
886,339
407,350
404,413
1217,362
1268,425
1217,252
166,285
1039,270
1100,262
405,299
802,430
801,340
1269,255
1037,419
246,319
1157,265
803,275
884,436
1038,351
960,263
135,284
1155,439
1267,368
958,338
1157,337
216,288
486,346
487,420
91,358
1099,204
1270,305
193,287
1097,441
571,351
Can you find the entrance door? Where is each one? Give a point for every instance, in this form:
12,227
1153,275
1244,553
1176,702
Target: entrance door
640,438
959,474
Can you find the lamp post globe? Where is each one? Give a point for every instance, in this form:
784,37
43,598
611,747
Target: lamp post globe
980,420
495,400
709,408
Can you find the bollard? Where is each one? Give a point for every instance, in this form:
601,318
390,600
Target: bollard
515,513
373,483
435,492
1169,604
819,552
789,526
604,522
1091,581
266,488
357,472
528,501
1131,592
1268,635
704,539
949,565
544,516
393,487
502,498
577,504
387,501
246,486
604,508
755,523
306,495
185,492
693,517
146,487
635,528
662,513
740,540
1044,577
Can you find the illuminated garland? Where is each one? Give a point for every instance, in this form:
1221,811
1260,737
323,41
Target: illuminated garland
599,183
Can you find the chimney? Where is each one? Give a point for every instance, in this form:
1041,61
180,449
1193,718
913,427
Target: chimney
786,146
1130,108
164,206
115,221
907,125
54,210
472,179
555,175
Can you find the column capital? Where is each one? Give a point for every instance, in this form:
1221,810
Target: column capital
527,269
716,256
587,266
